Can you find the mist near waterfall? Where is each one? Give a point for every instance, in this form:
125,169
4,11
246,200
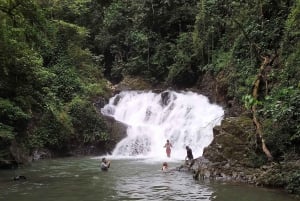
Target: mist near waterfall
183,118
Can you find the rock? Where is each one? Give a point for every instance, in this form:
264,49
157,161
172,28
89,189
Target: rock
19,178
39,154
165,98
19,153
227,157
117,130
230,143
132,83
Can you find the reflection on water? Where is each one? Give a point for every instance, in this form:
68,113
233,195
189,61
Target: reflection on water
80,179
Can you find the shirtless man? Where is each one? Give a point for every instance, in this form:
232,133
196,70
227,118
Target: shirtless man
189,159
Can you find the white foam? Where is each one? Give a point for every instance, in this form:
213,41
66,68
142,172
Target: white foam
187,119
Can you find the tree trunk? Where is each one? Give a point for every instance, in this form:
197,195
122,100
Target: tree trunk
255,90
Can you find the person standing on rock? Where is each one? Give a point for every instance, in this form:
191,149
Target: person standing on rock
189,153
189,159
168,146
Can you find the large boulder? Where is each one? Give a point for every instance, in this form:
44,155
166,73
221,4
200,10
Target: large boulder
117,131
229,156
231,141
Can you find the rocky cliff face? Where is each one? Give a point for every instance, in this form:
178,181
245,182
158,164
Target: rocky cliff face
231,141
230,156
233,155
117,131
216,89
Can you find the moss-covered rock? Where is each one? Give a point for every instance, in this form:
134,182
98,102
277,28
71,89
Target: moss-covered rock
284,175
117,131
231,156
231,141
132,83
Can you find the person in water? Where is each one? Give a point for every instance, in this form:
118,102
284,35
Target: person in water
105,164
168,146
164,166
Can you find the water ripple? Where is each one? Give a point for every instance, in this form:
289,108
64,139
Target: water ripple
82,180
161,186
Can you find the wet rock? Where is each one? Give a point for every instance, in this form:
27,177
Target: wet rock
228,156
19,178
165,98
39,154
117,130
230,143
132,83
20,153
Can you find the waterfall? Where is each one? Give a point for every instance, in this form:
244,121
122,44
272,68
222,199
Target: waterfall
184,118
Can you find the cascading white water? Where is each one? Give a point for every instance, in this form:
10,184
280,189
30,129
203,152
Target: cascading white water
184,118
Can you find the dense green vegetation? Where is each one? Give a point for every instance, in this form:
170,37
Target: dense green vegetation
49,77
56,55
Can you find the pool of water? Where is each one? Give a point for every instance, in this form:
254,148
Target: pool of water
80,179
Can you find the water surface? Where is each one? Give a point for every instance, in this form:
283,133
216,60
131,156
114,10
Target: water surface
80,179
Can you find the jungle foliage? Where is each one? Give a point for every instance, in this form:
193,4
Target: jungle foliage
54,56
48,77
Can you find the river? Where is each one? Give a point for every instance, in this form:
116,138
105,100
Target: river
80,179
